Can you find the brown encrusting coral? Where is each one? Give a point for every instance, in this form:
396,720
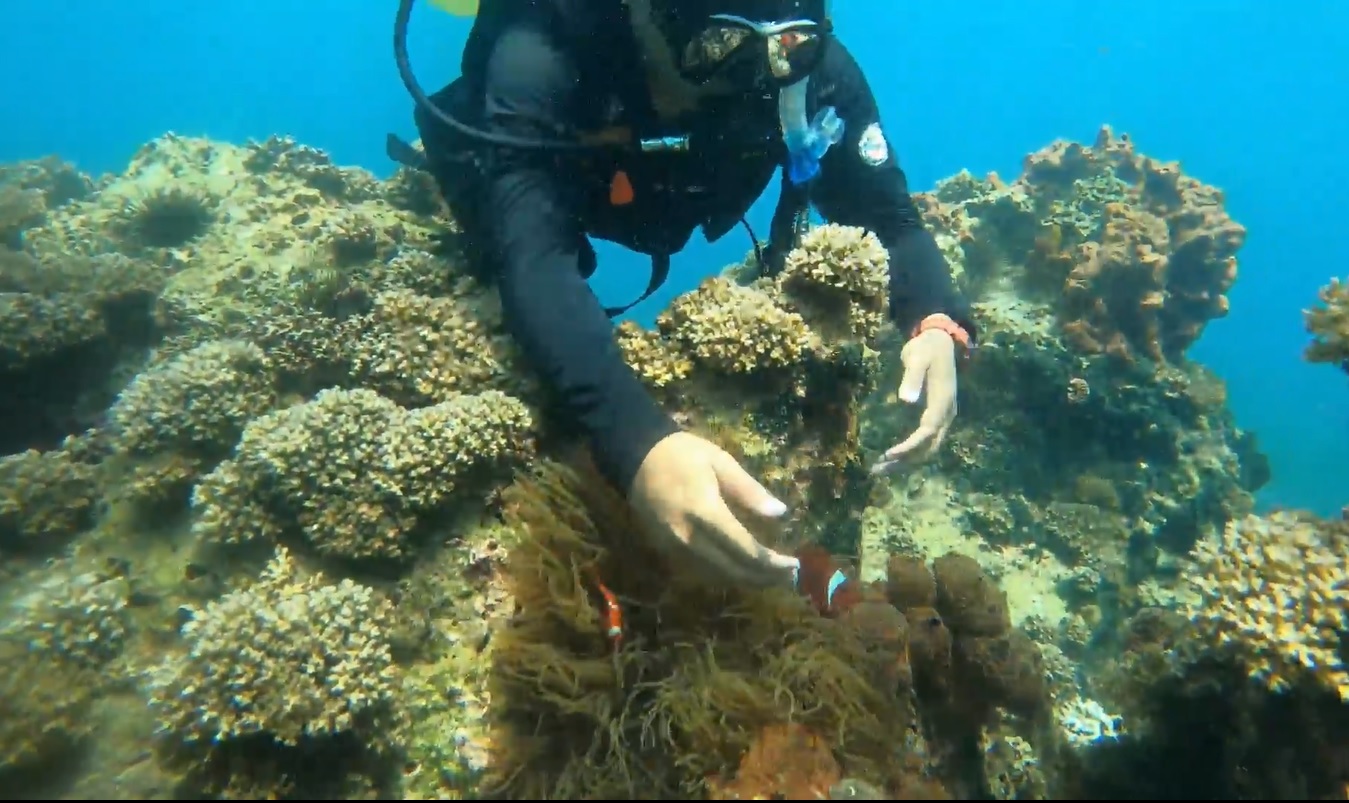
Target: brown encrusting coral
1134,256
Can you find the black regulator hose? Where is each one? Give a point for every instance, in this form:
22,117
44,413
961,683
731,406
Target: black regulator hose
400,51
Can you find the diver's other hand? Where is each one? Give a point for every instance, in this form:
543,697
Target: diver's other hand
681,493
929,360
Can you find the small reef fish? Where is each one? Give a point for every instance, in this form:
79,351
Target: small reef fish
611,613
827,586
820,579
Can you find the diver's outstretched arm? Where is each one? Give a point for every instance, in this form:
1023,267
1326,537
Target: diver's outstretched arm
862,184
529,213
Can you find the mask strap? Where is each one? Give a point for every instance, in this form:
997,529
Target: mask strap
807,142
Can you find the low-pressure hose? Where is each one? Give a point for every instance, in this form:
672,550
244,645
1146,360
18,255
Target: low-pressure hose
400,52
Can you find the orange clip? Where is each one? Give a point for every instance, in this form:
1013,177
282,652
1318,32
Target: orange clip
620,189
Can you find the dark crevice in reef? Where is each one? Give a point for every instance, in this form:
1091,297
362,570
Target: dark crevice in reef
65,393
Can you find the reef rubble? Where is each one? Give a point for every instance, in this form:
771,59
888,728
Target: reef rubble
285,498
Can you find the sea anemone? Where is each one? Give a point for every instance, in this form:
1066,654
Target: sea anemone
168,217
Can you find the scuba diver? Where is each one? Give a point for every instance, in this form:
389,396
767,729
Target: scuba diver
637,122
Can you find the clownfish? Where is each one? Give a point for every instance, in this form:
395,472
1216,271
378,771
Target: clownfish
820,580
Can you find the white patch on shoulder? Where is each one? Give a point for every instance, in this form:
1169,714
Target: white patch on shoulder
872,147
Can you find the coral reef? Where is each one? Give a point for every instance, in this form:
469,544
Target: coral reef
177,420
46,498
1081,476
372,546
609,682
1134,256
67,324
1238,696
1276,590
284,659
775,369
1329,326
62,643
356,474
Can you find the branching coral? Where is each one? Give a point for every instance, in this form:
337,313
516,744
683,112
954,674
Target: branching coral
1329,325
66,322
59,647
76,617
804,341
839,278
33,327
50,306
1274,590
28,190
44,706
422,350
737,330
176,421
288,656
358,475
47,497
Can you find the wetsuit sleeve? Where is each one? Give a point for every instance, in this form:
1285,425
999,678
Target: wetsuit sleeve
862,184
531,215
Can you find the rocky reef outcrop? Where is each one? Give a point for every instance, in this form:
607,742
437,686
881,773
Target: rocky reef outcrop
1090,456
286,498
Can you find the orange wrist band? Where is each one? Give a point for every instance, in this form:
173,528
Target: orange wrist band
946,324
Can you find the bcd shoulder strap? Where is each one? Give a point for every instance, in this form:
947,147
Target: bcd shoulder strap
793,202
660,271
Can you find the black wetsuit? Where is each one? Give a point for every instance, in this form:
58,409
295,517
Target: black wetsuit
572,66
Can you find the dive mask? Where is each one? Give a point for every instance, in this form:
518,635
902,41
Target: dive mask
751,55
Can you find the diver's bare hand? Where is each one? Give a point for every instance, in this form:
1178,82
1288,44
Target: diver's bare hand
929,360
681,494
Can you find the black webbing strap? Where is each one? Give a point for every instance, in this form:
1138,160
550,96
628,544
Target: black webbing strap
660,271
